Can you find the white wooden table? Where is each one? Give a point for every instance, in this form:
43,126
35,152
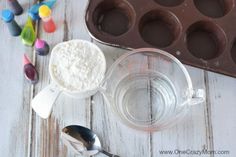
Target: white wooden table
211,125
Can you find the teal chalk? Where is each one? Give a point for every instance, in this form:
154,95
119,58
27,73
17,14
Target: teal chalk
50,4
33,12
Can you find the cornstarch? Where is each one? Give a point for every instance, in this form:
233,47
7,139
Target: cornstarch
78,66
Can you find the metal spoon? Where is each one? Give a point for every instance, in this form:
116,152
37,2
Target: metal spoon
83,141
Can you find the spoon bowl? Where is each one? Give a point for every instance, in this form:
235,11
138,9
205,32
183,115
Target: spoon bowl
83,141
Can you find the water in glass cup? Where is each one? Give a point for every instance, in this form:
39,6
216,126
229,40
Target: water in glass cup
146,97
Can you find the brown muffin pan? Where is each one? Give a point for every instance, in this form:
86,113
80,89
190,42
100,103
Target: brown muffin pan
200,33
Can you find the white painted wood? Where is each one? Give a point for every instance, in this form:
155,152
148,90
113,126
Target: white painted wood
222,108
210,125
15,92
191,133
116,137
46,141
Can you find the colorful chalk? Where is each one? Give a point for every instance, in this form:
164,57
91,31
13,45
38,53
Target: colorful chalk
34,10
41,47
8,17
15,7
30,71
48,23
28,34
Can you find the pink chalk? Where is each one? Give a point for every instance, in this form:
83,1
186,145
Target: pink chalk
26,60
39,44
30,72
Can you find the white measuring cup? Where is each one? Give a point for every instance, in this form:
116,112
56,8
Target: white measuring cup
42,103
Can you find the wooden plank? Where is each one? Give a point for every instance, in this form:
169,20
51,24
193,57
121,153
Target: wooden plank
15,91
46,140
191,133
209,125
116,137
222,91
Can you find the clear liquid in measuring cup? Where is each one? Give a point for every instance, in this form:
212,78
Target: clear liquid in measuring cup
145,99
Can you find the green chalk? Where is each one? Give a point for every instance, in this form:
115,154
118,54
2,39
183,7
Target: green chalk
28,35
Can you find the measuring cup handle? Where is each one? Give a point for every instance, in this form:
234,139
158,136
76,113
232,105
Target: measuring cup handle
199,96
42,103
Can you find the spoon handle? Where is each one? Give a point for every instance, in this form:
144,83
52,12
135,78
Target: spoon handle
109,154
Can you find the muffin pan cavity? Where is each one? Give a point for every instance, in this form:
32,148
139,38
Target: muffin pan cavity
233,51
113,17
214,8
205,40
159,28
200,33
169,3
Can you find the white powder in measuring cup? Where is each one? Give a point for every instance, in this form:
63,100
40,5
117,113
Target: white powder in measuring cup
77,65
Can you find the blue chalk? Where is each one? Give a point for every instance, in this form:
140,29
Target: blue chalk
7,15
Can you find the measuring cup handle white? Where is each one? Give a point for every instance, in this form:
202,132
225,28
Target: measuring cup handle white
199,96
42,103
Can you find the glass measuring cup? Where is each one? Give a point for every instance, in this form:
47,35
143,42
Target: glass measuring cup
149,89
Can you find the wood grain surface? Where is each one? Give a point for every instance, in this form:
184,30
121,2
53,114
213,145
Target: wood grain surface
210,125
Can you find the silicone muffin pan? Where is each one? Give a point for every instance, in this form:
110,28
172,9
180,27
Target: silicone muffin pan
200,33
